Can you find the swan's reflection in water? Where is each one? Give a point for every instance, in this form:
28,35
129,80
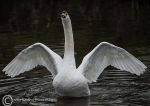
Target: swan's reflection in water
84,101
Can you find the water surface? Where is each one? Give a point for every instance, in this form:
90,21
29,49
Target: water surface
114,87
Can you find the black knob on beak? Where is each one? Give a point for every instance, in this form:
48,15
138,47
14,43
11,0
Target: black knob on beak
63,16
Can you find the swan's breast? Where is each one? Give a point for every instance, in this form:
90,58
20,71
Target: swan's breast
71,84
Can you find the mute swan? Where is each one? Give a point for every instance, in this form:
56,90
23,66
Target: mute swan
69,80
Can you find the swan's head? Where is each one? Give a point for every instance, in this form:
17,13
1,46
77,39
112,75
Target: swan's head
65,15
66,21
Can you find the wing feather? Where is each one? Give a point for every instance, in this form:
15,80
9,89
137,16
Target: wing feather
29,58
106,54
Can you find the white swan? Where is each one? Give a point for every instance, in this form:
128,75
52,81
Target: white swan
69,80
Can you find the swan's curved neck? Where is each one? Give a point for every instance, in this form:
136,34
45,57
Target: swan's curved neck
69,42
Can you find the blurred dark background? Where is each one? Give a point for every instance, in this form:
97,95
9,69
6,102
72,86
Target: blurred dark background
121,22
114,17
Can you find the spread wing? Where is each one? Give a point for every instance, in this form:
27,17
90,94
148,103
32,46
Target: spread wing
106,54
29,58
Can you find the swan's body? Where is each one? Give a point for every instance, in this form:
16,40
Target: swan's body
69,80
73,83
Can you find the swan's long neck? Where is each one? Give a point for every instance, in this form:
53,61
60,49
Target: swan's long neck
69,42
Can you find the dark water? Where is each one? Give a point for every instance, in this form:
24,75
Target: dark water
113,88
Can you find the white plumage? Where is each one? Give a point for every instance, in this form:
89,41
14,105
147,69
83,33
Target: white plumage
69,80
106,54
29,58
